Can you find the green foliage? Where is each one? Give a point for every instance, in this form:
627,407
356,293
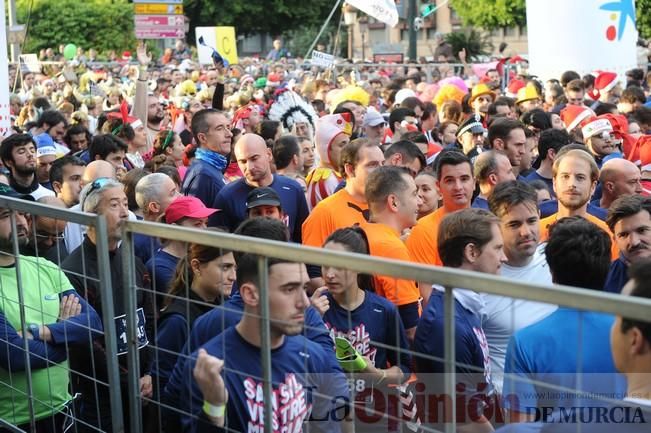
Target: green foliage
299,40
100,24
643,17
490,14
275,17
476,44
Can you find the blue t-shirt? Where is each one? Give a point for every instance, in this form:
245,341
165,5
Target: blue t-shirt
550,207
144,246
549,182
305,383
162,267
471,347
480,203
617,276
231,200
567,348
203,181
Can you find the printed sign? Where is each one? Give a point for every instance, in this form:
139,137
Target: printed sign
158,8
381,10
322,59
222,38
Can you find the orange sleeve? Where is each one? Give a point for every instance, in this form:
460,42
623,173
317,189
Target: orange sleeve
398,291
422,243
317,227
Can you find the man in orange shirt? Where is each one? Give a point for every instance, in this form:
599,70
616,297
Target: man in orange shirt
347,206
575,174
456,184
392,196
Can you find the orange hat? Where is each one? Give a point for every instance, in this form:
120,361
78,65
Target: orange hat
574,115
479,90
448,92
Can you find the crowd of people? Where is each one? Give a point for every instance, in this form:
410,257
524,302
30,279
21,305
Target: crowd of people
502,174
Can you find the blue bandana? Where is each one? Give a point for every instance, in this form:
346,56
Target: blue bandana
213,158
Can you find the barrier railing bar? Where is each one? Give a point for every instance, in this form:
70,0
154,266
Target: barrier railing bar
265,333
19,205
108,313
450,356
582,299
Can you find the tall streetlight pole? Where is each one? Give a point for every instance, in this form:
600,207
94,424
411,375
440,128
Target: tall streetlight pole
15,48
411,18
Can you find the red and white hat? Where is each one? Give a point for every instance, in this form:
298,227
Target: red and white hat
604,82
595,126
574,115
327,128
246,78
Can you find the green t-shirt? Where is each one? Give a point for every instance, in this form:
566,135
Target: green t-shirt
42,282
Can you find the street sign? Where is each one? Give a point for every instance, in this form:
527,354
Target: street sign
159,26
160,20
158,9
169,2
159,33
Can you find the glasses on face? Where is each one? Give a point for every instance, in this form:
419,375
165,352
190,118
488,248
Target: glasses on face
49,236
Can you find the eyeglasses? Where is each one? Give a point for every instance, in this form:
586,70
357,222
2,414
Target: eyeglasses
49,236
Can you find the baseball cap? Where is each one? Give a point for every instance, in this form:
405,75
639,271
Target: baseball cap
187,207
263,196
7,191
373,118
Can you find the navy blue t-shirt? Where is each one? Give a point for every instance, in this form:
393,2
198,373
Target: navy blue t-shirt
231,200
162,267
617,276
550,207
549,182
203,181
480,203
305,384
144,246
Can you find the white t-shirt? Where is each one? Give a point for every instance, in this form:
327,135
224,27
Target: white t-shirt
41,191
503,316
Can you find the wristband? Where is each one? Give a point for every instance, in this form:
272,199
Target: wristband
214,411
384,376
34,330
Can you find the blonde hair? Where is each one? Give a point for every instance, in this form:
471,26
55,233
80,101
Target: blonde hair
580,154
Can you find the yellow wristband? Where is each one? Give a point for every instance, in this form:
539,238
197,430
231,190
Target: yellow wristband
214,411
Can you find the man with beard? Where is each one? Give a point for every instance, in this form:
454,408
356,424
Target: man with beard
205,177
18,153
629,218
56,320
575,174
105,196
155,115
254,159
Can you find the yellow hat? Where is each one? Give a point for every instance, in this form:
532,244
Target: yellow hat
479,90
527,93
449,92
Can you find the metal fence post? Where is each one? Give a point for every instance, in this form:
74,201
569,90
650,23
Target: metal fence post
108,313
133,381
265,333
450,357
23,322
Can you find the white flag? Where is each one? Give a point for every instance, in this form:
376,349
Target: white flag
382,10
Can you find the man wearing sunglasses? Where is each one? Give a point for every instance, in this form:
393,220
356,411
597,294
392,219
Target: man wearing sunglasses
105,196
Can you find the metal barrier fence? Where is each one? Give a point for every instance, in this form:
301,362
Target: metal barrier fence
265,251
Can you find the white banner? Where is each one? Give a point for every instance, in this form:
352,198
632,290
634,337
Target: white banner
324,60
382,10
581,35
5,120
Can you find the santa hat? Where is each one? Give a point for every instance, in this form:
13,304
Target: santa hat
515,86
595,126
643,156
327,128
574,115
123,115
604,82
246,78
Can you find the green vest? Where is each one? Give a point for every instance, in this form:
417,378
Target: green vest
42,282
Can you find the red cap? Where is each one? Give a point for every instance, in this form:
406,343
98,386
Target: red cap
187,206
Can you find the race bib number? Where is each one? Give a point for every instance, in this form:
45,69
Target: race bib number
121,331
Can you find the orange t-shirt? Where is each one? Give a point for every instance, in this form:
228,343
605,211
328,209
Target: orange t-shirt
545,223
385,242
335,212
422,242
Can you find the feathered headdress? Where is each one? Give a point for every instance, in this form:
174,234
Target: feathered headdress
289,109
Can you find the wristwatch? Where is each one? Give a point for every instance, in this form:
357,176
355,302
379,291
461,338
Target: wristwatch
34,329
